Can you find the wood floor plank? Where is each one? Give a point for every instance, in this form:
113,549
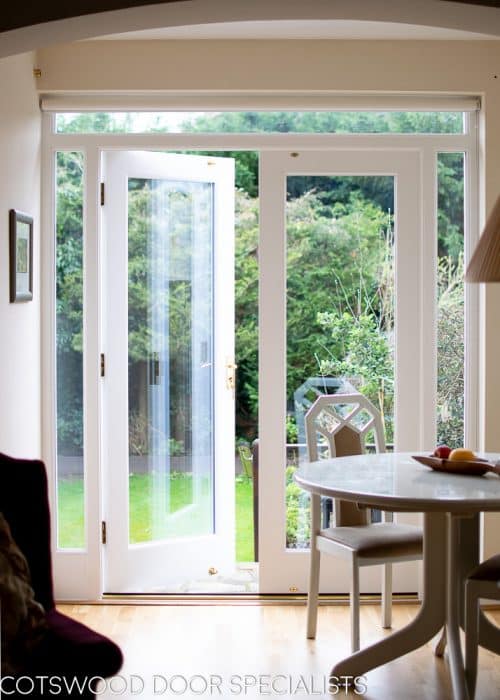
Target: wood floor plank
238,643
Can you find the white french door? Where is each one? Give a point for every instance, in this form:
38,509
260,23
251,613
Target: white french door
168,384
283,549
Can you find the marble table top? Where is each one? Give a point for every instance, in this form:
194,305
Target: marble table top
395,481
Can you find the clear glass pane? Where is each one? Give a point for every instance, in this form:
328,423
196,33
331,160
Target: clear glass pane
246,341
340,309
170,310
69,344
262,122
450,304
246,272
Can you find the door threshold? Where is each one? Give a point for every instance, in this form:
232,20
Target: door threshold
235,599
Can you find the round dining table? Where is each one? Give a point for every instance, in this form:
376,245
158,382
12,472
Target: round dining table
451,505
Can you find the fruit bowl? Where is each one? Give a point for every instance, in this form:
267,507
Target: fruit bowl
476,467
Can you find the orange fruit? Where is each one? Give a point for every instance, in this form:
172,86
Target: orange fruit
462,454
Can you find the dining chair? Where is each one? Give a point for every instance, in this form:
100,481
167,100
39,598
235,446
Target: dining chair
482,582
69,651
342,422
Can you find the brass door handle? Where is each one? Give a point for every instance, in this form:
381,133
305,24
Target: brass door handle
231,368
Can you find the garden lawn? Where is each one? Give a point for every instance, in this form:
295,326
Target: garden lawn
71,500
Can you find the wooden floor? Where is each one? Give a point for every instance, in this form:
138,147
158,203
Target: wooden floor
228,645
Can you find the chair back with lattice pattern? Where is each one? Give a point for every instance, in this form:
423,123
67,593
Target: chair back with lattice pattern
337,425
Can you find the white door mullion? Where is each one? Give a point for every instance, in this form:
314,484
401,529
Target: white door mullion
428,331
472,397
91,389
48,291
408,305
272,365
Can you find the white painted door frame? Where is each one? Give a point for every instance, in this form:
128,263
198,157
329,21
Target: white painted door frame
78,573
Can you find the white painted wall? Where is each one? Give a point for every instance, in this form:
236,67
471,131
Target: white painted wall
20,377
273,66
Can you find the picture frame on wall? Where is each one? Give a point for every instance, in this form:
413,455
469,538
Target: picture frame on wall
21,256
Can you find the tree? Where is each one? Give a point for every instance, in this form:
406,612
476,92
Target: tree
336,261
246,312
379,190
69,301
339,261
450,385
451,205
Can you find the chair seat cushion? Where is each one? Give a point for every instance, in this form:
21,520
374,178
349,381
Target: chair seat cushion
488,570
379,539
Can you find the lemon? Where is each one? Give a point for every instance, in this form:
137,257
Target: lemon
462,454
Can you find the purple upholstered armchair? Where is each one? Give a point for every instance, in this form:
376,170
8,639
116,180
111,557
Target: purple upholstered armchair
68,650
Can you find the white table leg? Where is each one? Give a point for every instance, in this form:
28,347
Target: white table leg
430,618
314,568
454,610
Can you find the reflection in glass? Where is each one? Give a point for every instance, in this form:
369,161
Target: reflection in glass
170,350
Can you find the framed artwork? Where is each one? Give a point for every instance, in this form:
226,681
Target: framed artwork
21,256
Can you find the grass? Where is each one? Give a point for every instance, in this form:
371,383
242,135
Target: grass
174,507
142,525
70,510
244,519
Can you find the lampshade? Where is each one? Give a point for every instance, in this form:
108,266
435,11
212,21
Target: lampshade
484,265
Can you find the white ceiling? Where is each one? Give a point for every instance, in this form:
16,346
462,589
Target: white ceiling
301,29
266,19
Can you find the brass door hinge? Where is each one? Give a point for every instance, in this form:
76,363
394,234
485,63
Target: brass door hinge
102,194
103,532
102,365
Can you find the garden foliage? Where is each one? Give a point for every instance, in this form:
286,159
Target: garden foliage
340,310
